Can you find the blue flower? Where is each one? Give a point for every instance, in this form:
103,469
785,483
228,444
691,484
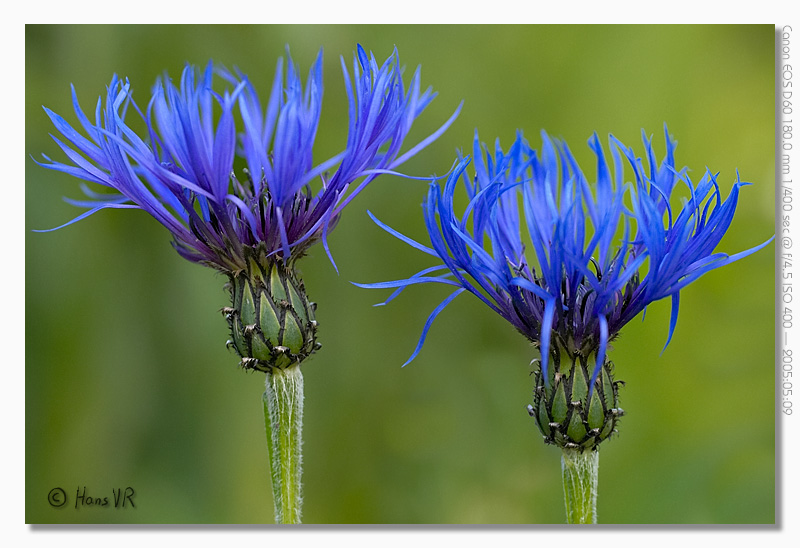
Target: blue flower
182,170
593,256
253,224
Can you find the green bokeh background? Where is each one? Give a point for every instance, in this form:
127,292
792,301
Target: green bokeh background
129,383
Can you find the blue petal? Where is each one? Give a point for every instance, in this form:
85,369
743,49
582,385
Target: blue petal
429,322
673,318
399,236
90,212
601,352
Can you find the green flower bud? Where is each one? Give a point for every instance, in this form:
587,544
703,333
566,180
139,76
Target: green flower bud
271,319
565,413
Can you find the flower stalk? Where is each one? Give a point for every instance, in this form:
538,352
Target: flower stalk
283,415
579,473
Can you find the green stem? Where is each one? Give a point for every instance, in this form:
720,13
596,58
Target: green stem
283,414
579,472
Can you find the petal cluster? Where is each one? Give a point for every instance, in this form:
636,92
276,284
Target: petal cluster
565,261
182,169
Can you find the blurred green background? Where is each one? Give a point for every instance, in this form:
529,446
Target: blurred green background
129,383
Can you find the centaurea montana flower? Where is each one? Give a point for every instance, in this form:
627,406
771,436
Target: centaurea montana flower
566,285
255,225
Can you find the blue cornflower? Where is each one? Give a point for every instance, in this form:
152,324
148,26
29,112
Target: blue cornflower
252,225
593,257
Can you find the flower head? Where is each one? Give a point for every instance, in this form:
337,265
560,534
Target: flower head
182,170
592,257
255,223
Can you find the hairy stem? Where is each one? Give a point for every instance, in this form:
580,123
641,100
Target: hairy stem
283,414
579,472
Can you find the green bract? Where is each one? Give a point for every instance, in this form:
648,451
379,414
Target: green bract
565,412
271,319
